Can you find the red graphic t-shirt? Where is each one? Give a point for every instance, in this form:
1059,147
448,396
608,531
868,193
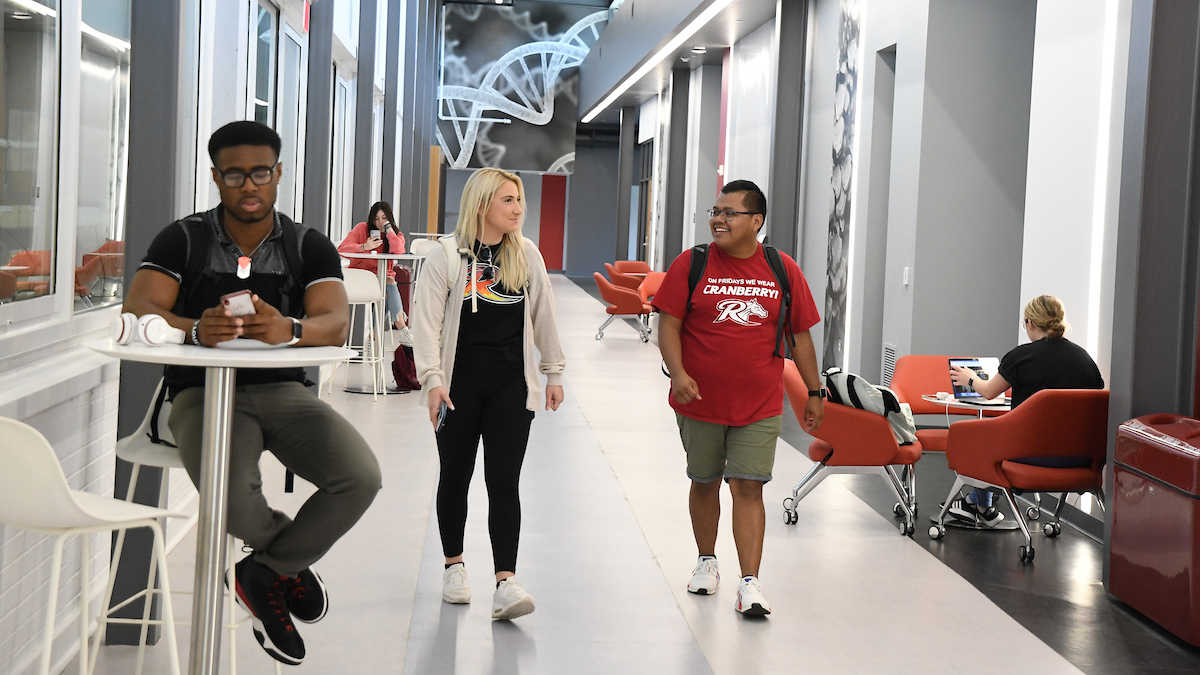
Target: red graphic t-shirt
729,336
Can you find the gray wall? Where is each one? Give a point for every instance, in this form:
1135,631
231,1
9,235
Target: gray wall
971,196
874,286
591,230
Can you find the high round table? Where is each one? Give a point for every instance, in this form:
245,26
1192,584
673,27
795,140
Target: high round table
219,365
955,403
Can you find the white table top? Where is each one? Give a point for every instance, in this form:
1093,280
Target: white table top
431,235
191,355
375,255
13,268
955,403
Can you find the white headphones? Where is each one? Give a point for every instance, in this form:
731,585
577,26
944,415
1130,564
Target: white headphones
151,330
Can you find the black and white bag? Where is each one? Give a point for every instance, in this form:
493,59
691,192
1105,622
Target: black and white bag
851,390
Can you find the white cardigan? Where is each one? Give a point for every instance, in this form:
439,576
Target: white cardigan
438,306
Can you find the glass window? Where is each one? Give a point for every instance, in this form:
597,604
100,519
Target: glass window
103,153
289,125
263,65
28,125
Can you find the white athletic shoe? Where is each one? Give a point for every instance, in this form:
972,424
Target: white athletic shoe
511,600
750,600
705,577
455,589
406,337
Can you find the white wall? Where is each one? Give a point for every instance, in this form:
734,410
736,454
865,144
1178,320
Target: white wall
751,107
1071,123
704,125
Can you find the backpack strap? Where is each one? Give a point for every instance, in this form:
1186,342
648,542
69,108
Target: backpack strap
785,287
699,260
293,240
198,231
155,419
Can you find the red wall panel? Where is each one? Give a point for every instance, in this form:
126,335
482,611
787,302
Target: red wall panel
554,215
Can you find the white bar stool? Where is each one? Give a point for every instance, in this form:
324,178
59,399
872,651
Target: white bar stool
34,496
362,290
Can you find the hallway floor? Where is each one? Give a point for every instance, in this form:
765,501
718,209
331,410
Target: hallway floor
607,551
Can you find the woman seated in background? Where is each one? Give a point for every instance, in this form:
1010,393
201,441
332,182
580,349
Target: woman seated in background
379,233
1049,361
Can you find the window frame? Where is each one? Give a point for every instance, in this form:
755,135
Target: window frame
252,10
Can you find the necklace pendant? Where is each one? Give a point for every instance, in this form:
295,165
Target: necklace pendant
243,269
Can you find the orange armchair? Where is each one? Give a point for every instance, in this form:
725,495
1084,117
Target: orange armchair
38,263
918,374
850,440
627,266
621,302
622,280
650,285
1051,423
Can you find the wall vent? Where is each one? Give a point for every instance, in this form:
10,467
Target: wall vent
889,363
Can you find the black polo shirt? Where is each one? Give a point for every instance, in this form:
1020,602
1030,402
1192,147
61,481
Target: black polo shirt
271,278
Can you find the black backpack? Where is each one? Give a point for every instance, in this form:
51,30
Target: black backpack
199,227
700,259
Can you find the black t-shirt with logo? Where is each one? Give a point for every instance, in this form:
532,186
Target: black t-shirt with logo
1048,364
491,338
270,278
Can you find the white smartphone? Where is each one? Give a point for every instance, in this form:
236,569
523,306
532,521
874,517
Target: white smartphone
239,303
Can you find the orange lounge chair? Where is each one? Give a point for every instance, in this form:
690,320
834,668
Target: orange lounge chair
1051,423
850,440
621,302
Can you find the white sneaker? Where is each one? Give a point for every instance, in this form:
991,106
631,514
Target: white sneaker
750,600
455,589
705,577
405,337
511,600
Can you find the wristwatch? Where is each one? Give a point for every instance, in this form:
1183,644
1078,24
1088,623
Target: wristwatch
819,393
297,331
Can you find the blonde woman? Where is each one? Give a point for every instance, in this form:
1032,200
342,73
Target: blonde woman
1049,361
483,303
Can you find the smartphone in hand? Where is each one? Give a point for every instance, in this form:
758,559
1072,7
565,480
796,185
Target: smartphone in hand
239,303
441,417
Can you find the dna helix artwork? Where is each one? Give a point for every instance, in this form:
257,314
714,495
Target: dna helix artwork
520,85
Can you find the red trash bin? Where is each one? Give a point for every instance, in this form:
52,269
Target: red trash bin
1154,559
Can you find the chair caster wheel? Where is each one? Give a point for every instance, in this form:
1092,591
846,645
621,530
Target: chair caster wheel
1052,530
790,517
897,510
1033,512
599,336
1025,553
907,527
936,532
645,338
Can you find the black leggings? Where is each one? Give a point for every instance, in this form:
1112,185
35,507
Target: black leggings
491,404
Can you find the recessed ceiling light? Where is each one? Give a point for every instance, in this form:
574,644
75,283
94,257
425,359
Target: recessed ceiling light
22,16
699,50
685,59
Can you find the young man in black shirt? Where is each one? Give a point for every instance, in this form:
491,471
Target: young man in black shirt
296,280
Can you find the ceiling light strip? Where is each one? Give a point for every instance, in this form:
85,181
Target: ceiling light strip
676,42
35,7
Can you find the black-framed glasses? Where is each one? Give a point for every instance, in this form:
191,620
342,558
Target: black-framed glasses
238,178
728,214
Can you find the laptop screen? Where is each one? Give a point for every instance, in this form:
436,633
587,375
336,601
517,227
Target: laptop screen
985,367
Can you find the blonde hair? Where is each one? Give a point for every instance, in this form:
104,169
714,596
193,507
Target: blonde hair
477,198
1046,312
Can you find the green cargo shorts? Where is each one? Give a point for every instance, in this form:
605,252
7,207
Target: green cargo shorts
716,450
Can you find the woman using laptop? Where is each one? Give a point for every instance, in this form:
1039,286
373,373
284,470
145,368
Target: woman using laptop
1049,361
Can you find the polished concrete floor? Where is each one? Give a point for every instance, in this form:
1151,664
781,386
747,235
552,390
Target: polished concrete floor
607,550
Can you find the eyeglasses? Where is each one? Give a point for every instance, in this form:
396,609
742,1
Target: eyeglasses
728,214
238,178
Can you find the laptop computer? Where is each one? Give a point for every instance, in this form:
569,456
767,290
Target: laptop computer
985,367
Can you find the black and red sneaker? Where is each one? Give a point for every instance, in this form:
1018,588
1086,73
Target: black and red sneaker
309,599
264,594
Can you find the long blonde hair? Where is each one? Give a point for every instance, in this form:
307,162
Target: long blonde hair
477,197
1046,312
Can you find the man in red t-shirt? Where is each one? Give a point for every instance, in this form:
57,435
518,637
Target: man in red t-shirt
727,383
